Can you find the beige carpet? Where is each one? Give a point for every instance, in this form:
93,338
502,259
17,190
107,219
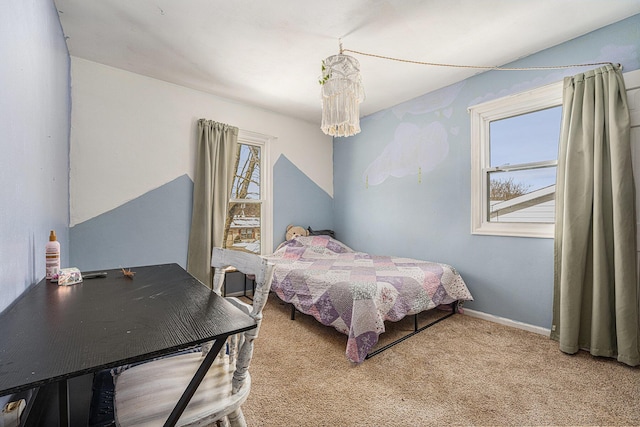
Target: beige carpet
462,371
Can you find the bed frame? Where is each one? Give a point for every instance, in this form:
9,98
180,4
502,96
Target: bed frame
416,329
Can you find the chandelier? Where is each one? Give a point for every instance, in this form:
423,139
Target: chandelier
341,93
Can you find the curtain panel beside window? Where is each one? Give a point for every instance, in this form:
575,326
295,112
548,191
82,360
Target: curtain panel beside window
217,144
596,280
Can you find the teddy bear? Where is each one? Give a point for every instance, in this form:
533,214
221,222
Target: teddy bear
295,231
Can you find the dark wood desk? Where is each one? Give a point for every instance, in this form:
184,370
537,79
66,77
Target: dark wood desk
53,333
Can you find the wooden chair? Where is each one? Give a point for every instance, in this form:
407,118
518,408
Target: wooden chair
145,394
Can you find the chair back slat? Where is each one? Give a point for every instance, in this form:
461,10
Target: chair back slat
262,270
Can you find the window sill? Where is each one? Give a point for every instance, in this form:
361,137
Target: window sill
543,231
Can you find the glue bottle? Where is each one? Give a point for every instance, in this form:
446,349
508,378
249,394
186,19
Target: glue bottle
52,250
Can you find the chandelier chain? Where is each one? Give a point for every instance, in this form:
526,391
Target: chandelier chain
483,67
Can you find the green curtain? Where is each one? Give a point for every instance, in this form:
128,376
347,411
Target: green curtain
217,143
595,303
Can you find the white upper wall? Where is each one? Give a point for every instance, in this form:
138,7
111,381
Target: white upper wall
131,134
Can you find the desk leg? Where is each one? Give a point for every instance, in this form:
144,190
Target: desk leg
63,403
195,382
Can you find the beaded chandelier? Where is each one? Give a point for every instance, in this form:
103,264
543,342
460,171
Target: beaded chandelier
341,93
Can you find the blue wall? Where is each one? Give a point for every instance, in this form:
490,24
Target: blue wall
427,214
297,200
151,229
34,136
154,228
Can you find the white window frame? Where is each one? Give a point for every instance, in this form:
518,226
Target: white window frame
266,186
481,117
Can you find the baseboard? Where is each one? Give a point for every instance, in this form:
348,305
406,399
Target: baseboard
248,293
507,322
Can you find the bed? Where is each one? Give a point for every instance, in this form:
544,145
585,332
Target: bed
356,292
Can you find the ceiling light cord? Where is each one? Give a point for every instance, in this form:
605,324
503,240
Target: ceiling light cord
482,67
342,90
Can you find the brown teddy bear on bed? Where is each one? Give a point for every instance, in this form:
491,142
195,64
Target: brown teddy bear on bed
295,231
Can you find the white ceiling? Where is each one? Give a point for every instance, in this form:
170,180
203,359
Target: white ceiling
268,53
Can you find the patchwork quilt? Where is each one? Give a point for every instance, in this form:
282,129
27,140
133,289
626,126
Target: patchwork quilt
355,292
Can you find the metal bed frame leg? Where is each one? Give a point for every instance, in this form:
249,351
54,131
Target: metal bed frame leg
454,310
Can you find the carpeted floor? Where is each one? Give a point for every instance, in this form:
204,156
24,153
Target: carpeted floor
462,371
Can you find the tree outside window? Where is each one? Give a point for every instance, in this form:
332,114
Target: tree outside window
243,226
514,149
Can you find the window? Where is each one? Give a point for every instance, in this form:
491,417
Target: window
247,227
514,155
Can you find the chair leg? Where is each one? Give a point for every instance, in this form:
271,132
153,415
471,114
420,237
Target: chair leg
236,418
